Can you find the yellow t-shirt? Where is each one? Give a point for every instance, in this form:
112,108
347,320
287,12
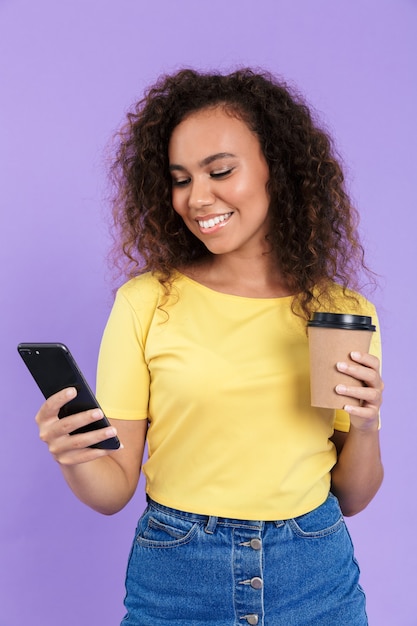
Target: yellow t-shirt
224,383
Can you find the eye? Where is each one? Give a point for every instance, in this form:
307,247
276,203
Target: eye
221,173
180,182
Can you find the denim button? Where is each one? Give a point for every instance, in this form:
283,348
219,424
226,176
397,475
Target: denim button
256,543
252,619
256,582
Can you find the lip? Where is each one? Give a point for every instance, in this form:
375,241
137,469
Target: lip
220,220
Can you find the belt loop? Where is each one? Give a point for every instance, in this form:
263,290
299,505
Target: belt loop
211,525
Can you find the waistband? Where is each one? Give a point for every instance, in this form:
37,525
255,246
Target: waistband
211,521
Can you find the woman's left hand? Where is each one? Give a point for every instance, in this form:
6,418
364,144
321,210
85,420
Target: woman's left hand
365,367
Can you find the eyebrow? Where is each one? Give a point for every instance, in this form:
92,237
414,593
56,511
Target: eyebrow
204,162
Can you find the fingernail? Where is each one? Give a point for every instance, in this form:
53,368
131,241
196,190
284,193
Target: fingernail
342,366
355,355
97,414
341,389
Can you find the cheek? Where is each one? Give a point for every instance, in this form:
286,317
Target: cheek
176,201
250,188
257,198
180,205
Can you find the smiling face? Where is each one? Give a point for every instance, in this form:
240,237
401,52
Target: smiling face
219,177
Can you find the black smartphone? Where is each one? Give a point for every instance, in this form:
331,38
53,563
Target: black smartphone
54,368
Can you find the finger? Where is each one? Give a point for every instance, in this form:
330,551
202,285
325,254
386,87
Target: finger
83,455
69,423
363,418
370,396
368,375
364,358
52,428
80,441
54,403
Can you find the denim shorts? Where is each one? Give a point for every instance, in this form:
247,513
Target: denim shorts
189,570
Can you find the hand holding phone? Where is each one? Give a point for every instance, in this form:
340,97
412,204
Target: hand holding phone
54,368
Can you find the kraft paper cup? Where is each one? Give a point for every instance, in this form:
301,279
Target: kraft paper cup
332,337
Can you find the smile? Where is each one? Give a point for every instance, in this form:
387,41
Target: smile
214,221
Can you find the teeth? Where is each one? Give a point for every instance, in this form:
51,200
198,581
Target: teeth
214,221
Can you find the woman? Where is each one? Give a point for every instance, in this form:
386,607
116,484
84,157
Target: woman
232,213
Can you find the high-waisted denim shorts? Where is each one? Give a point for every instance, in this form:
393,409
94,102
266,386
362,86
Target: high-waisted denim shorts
191,570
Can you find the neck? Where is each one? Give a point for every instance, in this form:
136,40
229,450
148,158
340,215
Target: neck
251,276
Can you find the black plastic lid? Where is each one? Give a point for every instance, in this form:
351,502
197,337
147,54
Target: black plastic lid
341,320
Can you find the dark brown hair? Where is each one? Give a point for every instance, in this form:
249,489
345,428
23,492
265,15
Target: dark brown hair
314,225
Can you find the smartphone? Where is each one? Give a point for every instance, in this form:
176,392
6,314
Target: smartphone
54,368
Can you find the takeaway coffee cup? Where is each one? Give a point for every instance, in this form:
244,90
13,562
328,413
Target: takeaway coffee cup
332,337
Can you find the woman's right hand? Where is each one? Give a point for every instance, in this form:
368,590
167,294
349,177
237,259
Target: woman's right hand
65,448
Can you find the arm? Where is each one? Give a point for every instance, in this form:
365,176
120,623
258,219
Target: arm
358,473
105,480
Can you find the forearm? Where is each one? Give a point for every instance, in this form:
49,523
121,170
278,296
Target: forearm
358,473
104,480
101,484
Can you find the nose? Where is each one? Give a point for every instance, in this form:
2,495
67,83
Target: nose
201,194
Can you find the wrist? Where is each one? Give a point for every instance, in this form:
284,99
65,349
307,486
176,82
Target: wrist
369,426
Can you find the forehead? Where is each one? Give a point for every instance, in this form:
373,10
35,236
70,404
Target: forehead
209,131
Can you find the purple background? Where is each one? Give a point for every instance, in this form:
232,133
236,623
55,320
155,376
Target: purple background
69,70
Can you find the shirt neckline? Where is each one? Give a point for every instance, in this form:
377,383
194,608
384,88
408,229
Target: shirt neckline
231,295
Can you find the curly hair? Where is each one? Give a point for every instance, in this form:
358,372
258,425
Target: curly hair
313,223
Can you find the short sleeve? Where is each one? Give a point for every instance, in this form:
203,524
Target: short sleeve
122,372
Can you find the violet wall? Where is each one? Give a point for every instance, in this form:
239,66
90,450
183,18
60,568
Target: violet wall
68,72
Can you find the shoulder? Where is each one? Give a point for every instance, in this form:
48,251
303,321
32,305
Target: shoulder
138,299
142,290
343,300
340,300
146,283
147,298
